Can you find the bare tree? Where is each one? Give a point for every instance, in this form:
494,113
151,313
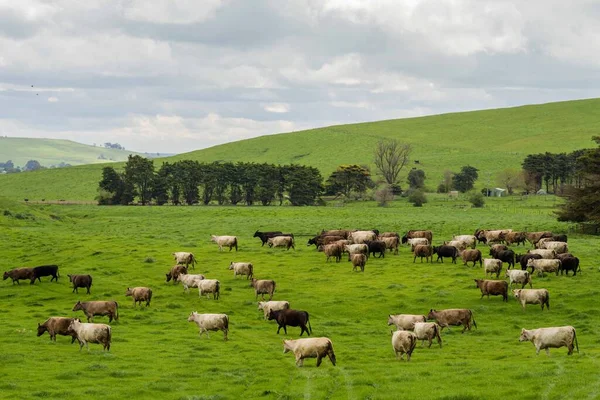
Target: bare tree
390,158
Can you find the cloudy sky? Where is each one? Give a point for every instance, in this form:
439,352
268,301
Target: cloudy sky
180,75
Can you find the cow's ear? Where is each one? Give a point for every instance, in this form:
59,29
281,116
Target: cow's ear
39,325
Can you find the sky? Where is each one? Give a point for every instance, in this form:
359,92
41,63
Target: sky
180,75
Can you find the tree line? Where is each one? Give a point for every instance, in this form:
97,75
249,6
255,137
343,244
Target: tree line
554,171
191,182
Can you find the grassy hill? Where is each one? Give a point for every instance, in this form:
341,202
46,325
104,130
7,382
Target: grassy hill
490,140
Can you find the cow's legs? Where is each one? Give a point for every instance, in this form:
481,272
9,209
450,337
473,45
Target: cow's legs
319,357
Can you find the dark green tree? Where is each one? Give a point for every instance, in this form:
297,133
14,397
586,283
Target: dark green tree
266,186
187,173
416,178
139,172
303,184
465,179
32,165
117,190
347,179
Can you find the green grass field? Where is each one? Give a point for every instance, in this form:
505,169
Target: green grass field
489,140
156,353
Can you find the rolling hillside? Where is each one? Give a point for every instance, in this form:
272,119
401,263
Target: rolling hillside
489,140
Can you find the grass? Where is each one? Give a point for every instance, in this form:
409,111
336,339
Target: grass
156,352
489,140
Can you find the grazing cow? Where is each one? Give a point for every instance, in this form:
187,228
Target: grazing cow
45,270
185,258
494,288
453,316
534,237
92,308
412,234
344,233
417,241
495,248
423,251
446,251
175,272
518,276
569,264
342,243
190,281
555,337
405,321
376,246
491,266
319,241
227,241
544,265
91,333
515,237
507,256
210,322
545,253
242,268
559,238
562,256
468,240
460,245
404,342
491,236
20,273
471,255
264,236
139,294
357,249
428,331
57,326
533,296
333,250
80,281
359,237
524,258
558,247
267,306
389,235
291,317
391,243
281,241
359,261
263,287
310,348
208,286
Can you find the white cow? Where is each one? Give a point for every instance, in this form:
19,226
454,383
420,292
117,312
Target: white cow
491,266
417,241
558,247
468,240
310,348
533,296
210,322
227,241
545,338
208,286
359,237
190,281
281,241
545,253
91,333
405,321
459,244
404,342
357,249
518,276
544,265
267,306
185,258
242,268
428,331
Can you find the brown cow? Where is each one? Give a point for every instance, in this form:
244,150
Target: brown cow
262,287
139,294
472,255
423,251
453,316
91,308
494,288
417,234
175,271
57,326
83,281
20,273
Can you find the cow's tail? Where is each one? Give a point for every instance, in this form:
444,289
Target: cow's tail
235,242
193,261
575,339
330,353
473,319
116,311
436,330
218,290
308,321
90,279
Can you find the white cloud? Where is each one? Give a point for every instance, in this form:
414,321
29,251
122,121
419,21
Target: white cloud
170,11
52,99
277,108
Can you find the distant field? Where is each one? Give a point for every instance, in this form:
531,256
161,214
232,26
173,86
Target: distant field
156,353
490,140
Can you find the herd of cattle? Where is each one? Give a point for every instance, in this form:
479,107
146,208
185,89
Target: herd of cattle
550,254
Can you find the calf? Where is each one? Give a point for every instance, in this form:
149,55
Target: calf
453,316
264,236
92,308
91,333
282,241
391,243
262,287
428,331
57,326
555,337
332,250
45,270
310,348
404,342
20,273
292,318
139,294
533,296
210,322
494,288
83,281
405,321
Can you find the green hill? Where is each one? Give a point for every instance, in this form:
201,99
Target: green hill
490,140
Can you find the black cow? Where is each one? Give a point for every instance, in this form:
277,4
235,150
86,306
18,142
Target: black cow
523,258
569,264
559,238
376,246
292,318
507,256
80,281
446,251
45,270
264,236
322,240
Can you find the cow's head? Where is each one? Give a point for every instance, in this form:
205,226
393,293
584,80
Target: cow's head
256,234
524,335
272,315
517,292
78,306
261,305
70,278
192,316
478,282
431,314
287,347
231,265
5,276
390,320
252,282
168,277
41,329
128,292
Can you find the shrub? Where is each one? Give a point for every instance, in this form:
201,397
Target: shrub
384,196
417,198
476,199
442,188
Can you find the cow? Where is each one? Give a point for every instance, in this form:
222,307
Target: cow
404,342
319,241
391,243
518,276
185,258
282,241
291,317
471,255
524,258
562,256
359,237
344,233
417,241
210,322
139,294
544,265
405,321
534,237
491,236
494,288
267,306
91,333
264,236
456,243
310,348
242,268
357,249
446,251
515,237
208,286
533,296
80,281
57,326
423,251
468,240
569,264
427,331
20,273
453,316
558,247
389,235
491,266
417,234
190,281
92,308
376,246
495,248
507,256
559,238
225,241
263,287
546,338
332,250
45,270
175,272
358,261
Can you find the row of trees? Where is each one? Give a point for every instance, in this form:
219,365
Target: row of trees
191,182
553,171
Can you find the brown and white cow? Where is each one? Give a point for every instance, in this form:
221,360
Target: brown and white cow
310,348
555,337
175,271
453,316
404,342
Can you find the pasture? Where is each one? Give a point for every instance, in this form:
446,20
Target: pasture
156,353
